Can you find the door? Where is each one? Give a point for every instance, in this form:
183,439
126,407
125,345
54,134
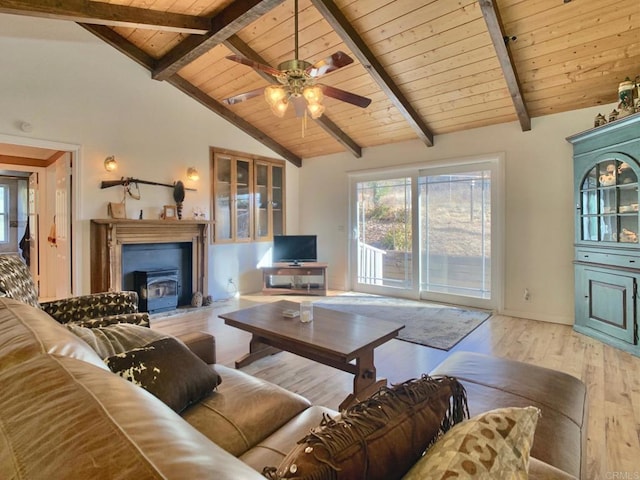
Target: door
62,250
384,252
605,301
434,233
456,234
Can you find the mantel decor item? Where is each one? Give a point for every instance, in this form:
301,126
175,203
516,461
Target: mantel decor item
117,210
169,212
178,196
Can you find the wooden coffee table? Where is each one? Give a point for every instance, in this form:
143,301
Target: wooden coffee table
341,340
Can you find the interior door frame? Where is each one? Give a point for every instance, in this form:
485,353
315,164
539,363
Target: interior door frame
75,210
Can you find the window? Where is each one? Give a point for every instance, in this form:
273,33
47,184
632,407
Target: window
4,213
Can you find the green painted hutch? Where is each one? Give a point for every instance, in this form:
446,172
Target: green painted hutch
607,228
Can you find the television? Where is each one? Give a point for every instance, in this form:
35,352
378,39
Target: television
295,248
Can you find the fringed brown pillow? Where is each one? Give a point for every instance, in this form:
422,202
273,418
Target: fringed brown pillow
380,438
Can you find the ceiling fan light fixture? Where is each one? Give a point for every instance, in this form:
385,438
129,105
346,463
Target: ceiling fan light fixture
313,94
274,94
315,110
279,108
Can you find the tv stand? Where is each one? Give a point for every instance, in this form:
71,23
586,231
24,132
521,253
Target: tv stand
308,278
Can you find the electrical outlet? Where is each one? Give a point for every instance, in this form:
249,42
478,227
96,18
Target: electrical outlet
526,295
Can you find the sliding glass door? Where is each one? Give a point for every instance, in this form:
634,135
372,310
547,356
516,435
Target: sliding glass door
430,233
455,235
384,258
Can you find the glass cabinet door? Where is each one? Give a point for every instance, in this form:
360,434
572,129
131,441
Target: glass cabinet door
277,202
609,203
222,198
233,180
262,200
244,180
248,197
269,200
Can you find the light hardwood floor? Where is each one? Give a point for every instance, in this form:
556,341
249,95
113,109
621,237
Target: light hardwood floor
612,376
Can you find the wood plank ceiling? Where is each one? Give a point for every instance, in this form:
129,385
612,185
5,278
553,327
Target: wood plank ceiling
429,66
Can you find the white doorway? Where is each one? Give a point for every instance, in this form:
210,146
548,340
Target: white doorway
47,168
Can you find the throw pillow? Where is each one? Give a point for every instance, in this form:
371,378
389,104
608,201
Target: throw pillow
379,438
495,444
167,369
114,339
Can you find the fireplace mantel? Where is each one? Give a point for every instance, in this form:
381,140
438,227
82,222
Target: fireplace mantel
108,236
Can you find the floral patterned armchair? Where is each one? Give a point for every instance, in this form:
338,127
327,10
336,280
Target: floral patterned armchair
94,310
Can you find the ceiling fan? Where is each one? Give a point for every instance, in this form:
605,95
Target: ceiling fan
297,83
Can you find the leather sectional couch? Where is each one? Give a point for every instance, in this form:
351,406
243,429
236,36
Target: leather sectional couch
64,414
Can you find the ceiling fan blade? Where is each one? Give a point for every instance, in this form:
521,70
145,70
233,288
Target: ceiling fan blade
255,65
241,97
345,96
329,64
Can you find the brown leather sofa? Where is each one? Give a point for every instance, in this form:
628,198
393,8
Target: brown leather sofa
63,414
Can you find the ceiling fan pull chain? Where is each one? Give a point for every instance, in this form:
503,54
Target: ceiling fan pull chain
304,122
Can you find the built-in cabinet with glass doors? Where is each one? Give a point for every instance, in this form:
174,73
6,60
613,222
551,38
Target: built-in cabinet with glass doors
248,197
269,200
607,224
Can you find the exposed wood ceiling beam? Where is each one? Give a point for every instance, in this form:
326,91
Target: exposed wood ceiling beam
142,58
230,20
492,18
197,94
100,13
121,44
237,46
341,25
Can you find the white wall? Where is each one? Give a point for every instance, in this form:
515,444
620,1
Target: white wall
539,204
75,89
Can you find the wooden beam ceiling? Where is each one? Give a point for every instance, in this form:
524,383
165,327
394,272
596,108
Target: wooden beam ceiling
230,20
142,58
496,31
349,36
100,13
224,25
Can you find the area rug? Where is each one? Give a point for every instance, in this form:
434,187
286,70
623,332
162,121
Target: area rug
430,324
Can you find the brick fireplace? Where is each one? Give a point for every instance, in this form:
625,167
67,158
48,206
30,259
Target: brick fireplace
111,269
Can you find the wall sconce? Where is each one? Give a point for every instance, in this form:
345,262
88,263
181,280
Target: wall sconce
110,164
192,174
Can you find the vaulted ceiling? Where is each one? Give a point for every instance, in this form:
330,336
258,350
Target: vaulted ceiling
429,66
